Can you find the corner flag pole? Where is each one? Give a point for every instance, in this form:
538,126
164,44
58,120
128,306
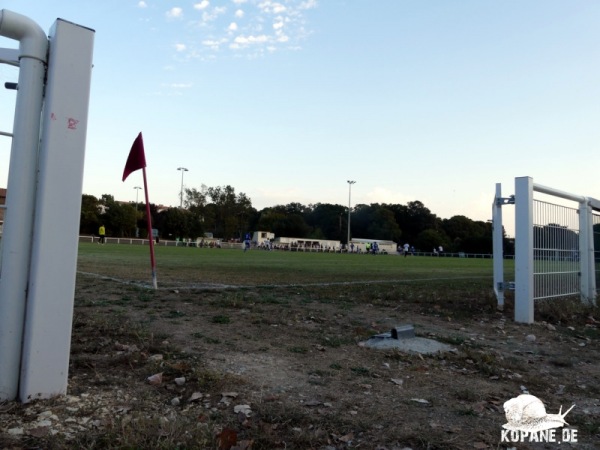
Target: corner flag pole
135,161
150,233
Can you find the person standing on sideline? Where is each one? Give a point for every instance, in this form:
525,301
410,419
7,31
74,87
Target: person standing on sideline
102,234
406,247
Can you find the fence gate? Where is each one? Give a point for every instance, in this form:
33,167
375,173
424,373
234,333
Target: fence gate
554,247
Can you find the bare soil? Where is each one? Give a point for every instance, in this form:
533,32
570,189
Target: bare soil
292,356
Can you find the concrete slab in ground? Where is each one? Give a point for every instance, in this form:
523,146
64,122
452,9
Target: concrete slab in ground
414,345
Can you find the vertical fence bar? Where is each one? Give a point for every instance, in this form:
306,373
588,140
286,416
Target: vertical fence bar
586,251
523,250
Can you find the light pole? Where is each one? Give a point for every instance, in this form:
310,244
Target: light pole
350,183
183,169
137,191
137,230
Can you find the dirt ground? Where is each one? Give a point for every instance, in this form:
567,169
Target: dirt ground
282,368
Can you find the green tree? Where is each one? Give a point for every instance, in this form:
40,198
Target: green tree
374,221
226,214
89,221
429,239
385,225
284,221
195,200
467,235
119,218
176,223
229,215
413,218
328,221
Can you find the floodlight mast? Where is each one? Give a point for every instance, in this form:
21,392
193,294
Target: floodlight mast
183,169
350,183
137,230
137,191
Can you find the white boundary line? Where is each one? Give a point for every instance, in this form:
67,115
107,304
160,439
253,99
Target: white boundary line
215,286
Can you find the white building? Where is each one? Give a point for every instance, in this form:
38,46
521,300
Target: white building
384,246
307,244
260,237
319,245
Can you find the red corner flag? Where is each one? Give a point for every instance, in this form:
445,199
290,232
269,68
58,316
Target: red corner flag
136,161
137,158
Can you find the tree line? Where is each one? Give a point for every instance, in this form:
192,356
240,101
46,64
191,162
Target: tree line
229,215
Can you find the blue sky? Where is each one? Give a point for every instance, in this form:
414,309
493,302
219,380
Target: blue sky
287,100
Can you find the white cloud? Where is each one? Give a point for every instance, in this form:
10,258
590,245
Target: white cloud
278,8
202,5
214,44
308,4
142,4
175,13
212,15
248,40
267,26
281,37
271,7
180,85
180,47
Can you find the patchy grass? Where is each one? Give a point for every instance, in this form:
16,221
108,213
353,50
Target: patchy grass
188,266
222,319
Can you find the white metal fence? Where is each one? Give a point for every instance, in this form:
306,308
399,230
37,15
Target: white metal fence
556,261
554,247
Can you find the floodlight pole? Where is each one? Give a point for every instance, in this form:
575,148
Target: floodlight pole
137,230
137,191
350,183
183,169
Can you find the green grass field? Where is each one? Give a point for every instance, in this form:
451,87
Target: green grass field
180,266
